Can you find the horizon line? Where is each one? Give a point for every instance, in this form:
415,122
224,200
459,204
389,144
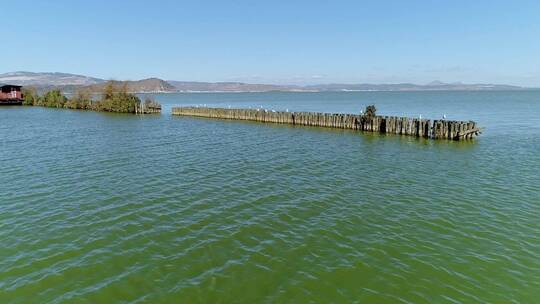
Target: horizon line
434,82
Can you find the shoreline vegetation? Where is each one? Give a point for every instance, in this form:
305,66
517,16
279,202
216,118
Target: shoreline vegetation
114,98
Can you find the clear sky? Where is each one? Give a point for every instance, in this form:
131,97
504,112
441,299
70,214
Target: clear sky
277,41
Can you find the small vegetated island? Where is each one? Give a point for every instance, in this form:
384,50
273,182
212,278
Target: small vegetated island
114,98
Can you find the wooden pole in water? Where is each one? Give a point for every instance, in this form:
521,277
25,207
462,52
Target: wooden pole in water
436,129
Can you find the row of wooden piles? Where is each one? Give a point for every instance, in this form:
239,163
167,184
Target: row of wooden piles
437,129
148,108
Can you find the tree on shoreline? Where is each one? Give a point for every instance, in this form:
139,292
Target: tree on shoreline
81,100
117,99
54,99
30,95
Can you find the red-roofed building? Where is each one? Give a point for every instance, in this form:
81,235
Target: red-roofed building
10,94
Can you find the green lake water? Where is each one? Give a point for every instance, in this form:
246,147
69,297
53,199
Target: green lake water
113,208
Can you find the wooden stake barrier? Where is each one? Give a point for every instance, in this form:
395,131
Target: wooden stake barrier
436,129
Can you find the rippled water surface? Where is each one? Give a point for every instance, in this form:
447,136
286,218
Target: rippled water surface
112,208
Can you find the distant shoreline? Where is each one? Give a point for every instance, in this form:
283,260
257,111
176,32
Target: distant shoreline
341,91
71,83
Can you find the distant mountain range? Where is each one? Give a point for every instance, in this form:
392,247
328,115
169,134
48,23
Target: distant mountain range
47,79
432,86
149,85
69,83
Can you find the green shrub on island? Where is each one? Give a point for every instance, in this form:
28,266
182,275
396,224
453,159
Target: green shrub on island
114,99
370,112
81,100
53,99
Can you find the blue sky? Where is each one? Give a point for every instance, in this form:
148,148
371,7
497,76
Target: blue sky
277,41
